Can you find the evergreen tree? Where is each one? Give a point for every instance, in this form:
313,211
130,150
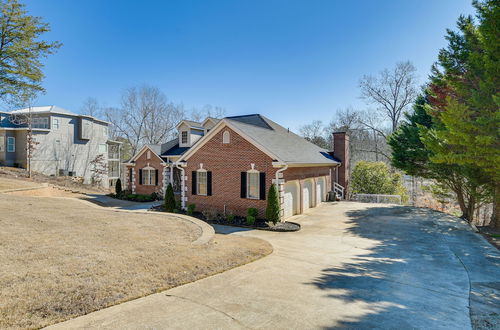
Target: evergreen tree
273,205
118,187
170,199
414,147
466,100
21,52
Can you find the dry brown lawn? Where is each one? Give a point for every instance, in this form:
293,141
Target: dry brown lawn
61,258
8,184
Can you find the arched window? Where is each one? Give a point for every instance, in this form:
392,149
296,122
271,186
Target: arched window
226,137
148,176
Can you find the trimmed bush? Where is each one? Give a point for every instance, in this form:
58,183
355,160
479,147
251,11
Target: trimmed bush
273,206
252,211
170,204
190,209
118,187
230,218
250,220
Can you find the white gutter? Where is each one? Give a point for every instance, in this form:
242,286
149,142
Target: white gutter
183,185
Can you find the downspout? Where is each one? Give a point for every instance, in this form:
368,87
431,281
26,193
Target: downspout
183,186
278,185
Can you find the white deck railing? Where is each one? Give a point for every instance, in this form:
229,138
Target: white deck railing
339,190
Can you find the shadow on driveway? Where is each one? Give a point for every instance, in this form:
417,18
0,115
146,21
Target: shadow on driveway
418,273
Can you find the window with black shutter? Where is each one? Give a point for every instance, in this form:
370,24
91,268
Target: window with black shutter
209,183
243,185
193,183
262,185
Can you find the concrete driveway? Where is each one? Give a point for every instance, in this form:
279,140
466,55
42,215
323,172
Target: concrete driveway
352,265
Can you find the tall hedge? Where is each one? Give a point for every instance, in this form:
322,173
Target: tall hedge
273,205
169,199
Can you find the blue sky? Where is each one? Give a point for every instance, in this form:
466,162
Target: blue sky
292,61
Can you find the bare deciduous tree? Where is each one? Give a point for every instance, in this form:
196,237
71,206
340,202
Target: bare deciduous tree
315,133
91,107
145,116
26,119
207,111
392,91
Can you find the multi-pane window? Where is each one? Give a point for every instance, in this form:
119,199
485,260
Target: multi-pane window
201,179
253,185
55,123
11,144
103,148
184,137
148,177
40,122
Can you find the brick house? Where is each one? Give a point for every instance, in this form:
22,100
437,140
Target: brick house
228,165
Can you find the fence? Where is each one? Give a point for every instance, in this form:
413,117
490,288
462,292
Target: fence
377,198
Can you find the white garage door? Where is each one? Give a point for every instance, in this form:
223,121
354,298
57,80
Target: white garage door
320,191
290,199
307,195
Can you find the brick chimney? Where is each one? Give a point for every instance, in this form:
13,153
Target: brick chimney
341,151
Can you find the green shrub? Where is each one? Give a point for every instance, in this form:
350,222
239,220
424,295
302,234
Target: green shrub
250,220
169,199
155,196
230,217
190,209
252,211
376,178
130,197
175,210
118,187
273,206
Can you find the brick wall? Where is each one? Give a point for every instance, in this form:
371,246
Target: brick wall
226,162
140,163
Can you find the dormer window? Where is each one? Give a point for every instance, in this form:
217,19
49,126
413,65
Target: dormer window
184,137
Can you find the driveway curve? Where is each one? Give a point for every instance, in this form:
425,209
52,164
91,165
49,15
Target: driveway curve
352,265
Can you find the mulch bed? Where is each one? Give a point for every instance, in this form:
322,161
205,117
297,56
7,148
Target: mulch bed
259,224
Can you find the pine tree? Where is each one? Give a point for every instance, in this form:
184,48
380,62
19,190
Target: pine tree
21,52
273,205
170,199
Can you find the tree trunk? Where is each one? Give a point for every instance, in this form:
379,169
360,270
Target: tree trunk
461,202
495,216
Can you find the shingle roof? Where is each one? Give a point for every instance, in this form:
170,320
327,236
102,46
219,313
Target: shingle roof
286,145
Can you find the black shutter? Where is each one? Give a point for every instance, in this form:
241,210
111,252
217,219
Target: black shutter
209,183
262,186
243,184
156,177
130,176
140,176
193,183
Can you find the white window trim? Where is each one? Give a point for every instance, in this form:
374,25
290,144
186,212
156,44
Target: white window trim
201,170
13,145
40,122
149,169
248,184
187,138
55,123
